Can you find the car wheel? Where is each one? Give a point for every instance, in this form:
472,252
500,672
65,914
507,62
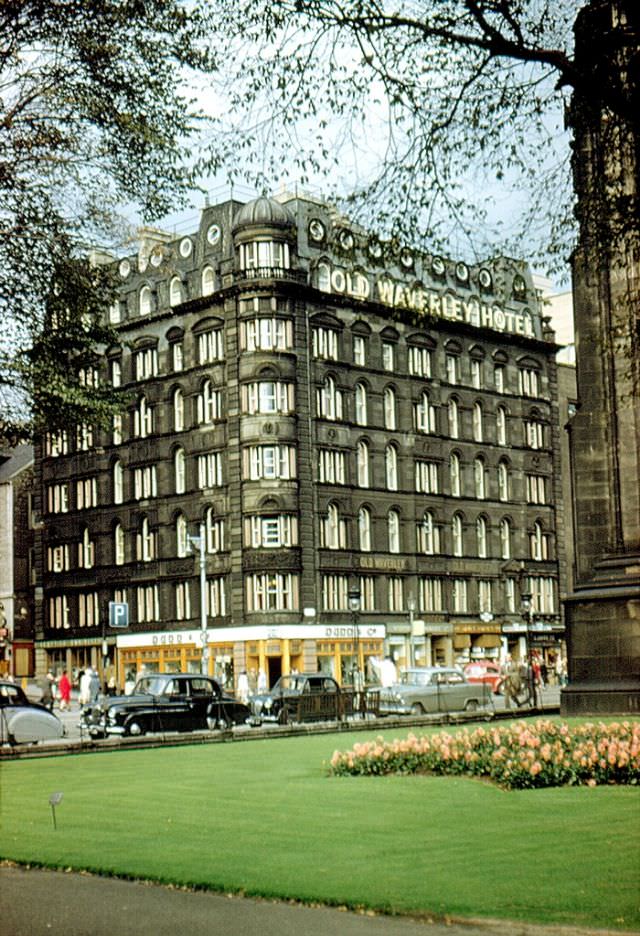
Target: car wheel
417,709
471,706
135,729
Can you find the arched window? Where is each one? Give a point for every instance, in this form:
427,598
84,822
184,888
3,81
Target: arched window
329,400
389,408
333,529
393,525
501,426
538,541
179,470
208,281
209,404
143,419
424,414
454,423
182,541
86,551
214,532
118,482
145,542
363,464
503,481
145,301
477,422
481,537
118,545
361,404
428,535
505,539
478,478
178,410
456,535
391,467
454,475
175,291
364,529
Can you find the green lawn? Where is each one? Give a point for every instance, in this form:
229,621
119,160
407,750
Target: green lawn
264,818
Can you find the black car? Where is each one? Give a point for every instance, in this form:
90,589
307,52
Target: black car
304,697
166,702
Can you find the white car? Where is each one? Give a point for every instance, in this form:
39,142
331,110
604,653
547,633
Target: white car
25,722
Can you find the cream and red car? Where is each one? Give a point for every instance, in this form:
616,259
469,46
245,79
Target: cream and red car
487,672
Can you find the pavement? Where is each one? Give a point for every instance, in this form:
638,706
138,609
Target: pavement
35,902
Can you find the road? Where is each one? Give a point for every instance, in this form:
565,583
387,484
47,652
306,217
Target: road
71,718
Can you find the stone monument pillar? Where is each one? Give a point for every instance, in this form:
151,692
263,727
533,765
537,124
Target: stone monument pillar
603,611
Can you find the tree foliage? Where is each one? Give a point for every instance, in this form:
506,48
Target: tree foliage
92,117
451,111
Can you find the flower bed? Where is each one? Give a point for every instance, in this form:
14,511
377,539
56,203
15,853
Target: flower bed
540,754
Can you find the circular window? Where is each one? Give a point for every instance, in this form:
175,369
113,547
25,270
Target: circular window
375,248
156,256
345,239
462,272
484,278
186,246
437,265
316,230
406,258
124,268
214,234
519,286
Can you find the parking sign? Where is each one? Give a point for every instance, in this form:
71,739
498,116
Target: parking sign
118,614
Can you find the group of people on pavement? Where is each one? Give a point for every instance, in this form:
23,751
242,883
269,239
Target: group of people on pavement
60,689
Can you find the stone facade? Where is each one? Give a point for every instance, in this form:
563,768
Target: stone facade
338,413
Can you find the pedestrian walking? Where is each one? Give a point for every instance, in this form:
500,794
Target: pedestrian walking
262,681
84,697
512,684
64,691
47,685
243,687
94,686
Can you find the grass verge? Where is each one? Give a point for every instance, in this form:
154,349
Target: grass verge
264,818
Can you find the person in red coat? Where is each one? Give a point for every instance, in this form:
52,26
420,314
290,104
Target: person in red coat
64,691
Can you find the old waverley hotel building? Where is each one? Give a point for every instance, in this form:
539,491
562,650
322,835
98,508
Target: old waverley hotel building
330,450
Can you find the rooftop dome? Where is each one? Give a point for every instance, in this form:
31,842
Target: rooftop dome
261,212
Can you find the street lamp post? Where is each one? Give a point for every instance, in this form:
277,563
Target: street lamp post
525,606
199,542
354,607
411,607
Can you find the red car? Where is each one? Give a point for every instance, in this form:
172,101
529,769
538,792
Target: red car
485,671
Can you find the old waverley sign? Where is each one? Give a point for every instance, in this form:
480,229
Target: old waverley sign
418,298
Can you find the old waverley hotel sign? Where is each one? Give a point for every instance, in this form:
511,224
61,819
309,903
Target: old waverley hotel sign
416,297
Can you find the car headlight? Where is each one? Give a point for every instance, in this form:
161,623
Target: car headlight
268,702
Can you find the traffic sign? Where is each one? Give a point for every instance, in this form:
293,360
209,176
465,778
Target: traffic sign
118,614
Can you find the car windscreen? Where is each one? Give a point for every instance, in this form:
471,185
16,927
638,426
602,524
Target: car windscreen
415,679
150,685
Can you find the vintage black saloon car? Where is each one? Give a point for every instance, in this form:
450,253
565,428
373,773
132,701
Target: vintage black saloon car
166,702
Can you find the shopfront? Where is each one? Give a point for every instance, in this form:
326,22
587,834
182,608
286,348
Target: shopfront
264,653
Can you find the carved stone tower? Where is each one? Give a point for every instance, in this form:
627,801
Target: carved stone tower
603,613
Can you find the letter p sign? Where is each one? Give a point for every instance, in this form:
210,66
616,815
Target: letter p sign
118,614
